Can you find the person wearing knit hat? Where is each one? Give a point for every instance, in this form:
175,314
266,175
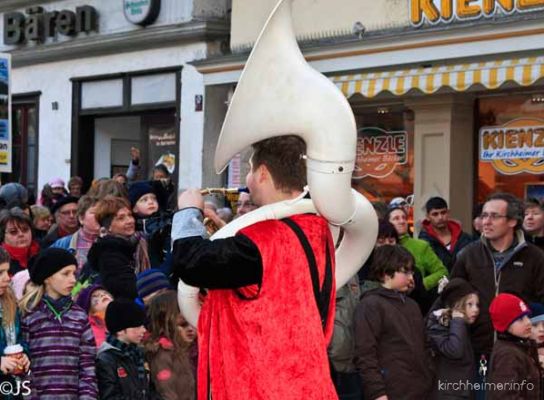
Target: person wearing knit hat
48,262
54,326
94,300
448,333
13,194
57,185
150,283
120,362
507,309
146,197
514,358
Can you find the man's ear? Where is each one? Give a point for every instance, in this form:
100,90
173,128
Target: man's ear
262,173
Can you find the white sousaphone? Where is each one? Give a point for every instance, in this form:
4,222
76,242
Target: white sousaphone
280,94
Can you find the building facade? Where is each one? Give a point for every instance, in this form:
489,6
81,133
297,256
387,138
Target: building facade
448,96
93,78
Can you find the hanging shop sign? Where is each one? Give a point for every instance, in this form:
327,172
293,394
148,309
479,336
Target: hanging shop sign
5,113
163,147
514,148
141,12
39,25
379,152
446,11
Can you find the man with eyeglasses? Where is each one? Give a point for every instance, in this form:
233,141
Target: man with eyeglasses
501,261
65,212
445,235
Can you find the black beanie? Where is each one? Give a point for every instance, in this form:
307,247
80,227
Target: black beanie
455,290
122,314
48,262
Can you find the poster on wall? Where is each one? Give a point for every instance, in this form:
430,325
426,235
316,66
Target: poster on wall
163,147
515,147
5,113
379,152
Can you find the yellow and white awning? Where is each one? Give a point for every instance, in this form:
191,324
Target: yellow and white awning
460,77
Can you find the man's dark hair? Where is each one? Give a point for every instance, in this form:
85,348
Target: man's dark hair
388,259
282,156
532,202
435,203
514,208
387,230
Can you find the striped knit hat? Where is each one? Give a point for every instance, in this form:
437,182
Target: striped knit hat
151,281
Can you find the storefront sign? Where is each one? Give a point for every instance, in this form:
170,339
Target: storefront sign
379,152
141,12
5,113
162,147
514,148
445,11
39,25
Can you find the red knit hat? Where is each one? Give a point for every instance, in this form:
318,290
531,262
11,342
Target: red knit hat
505,309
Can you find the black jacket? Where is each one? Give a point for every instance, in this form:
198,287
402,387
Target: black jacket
522,274
113,258
453,355
117,377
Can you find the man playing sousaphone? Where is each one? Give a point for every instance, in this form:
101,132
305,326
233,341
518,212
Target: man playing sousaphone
264,333
272,273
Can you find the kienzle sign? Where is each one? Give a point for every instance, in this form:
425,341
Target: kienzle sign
38,25
445,11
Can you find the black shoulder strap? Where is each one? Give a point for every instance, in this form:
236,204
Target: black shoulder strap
323,295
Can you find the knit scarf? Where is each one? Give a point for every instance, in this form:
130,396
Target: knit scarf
133,352
22,254
83,245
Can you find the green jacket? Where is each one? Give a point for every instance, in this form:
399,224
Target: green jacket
427,261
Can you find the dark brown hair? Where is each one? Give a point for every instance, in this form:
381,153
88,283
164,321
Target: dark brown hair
388,259
15,215
163,313
282,156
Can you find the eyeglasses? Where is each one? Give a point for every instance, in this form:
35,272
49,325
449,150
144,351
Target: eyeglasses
492,216
68,212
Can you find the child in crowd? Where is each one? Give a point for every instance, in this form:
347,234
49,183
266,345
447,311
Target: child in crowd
166,350
389,332
537,331
41,220
60,339
447,330
148,201
120,366
151,283
10,332
94,300
515,371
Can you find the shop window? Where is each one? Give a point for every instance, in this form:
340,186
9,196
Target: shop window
24,144
157,88
385,152
101,94
511,146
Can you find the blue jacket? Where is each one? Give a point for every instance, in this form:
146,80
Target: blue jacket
3,345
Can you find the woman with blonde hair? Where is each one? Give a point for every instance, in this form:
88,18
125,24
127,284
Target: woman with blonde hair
59,337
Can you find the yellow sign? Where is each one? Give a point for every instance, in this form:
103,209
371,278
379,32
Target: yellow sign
3,158
445,11
514,148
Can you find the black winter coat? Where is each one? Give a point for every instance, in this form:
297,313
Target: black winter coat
390,346
453,356
522,274
113,258
117,377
